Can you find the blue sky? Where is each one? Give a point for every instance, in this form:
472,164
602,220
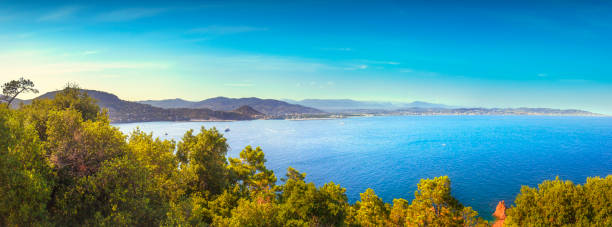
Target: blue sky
475,53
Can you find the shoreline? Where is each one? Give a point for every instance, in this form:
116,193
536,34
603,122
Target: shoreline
376,115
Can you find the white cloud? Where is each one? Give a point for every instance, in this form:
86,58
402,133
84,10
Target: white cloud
225,30
128,14
59,14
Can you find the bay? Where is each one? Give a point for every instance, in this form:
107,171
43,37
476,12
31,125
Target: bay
487,158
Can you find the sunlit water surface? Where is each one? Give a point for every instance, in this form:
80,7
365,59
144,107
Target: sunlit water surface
488,158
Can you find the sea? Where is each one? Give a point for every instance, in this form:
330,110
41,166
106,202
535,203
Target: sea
488,158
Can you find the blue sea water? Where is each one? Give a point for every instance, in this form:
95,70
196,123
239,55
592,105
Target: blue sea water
487,158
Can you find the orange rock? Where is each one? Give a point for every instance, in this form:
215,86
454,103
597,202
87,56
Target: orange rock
500,210
500,214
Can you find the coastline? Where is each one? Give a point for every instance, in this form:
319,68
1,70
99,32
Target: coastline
371,115
212,120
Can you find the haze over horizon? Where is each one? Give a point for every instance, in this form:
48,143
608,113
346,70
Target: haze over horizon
476,54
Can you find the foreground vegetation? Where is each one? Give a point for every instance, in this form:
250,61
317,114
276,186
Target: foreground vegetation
63,164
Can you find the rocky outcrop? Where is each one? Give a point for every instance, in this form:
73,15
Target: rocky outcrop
248,111
500,214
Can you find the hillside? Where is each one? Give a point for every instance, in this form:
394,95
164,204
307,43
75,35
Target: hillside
248,111
349,105
169,103
266,106
126,111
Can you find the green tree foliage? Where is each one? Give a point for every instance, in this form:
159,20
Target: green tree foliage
158,157
78,148
13,88
119,194
560,203
333,204
25,187
72,97
397,216
64,164
598,193
369,211
434,205
250,171
203,163
203,179
261,210
303,204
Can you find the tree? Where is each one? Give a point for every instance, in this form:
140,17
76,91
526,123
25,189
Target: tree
397,216
333,204
156,155
302,204
433,204
559,202
371,210
78,148
202,161
13,88
74,97
598,192
250,171
25,182
119,194
261,210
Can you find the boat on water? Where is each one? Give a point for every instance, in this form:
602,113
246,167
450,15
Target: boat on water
227,129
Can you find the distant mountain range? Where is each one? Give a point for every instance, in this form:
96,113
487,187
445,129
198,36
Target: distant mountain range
222,108
126,111
269,107
349,105
493,111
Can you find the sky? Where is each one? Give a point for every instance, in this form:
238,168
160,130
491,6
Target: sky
555,54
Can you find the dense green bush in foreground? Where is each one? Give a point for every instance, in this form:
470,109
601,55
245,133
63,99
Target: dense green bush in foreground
63,164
